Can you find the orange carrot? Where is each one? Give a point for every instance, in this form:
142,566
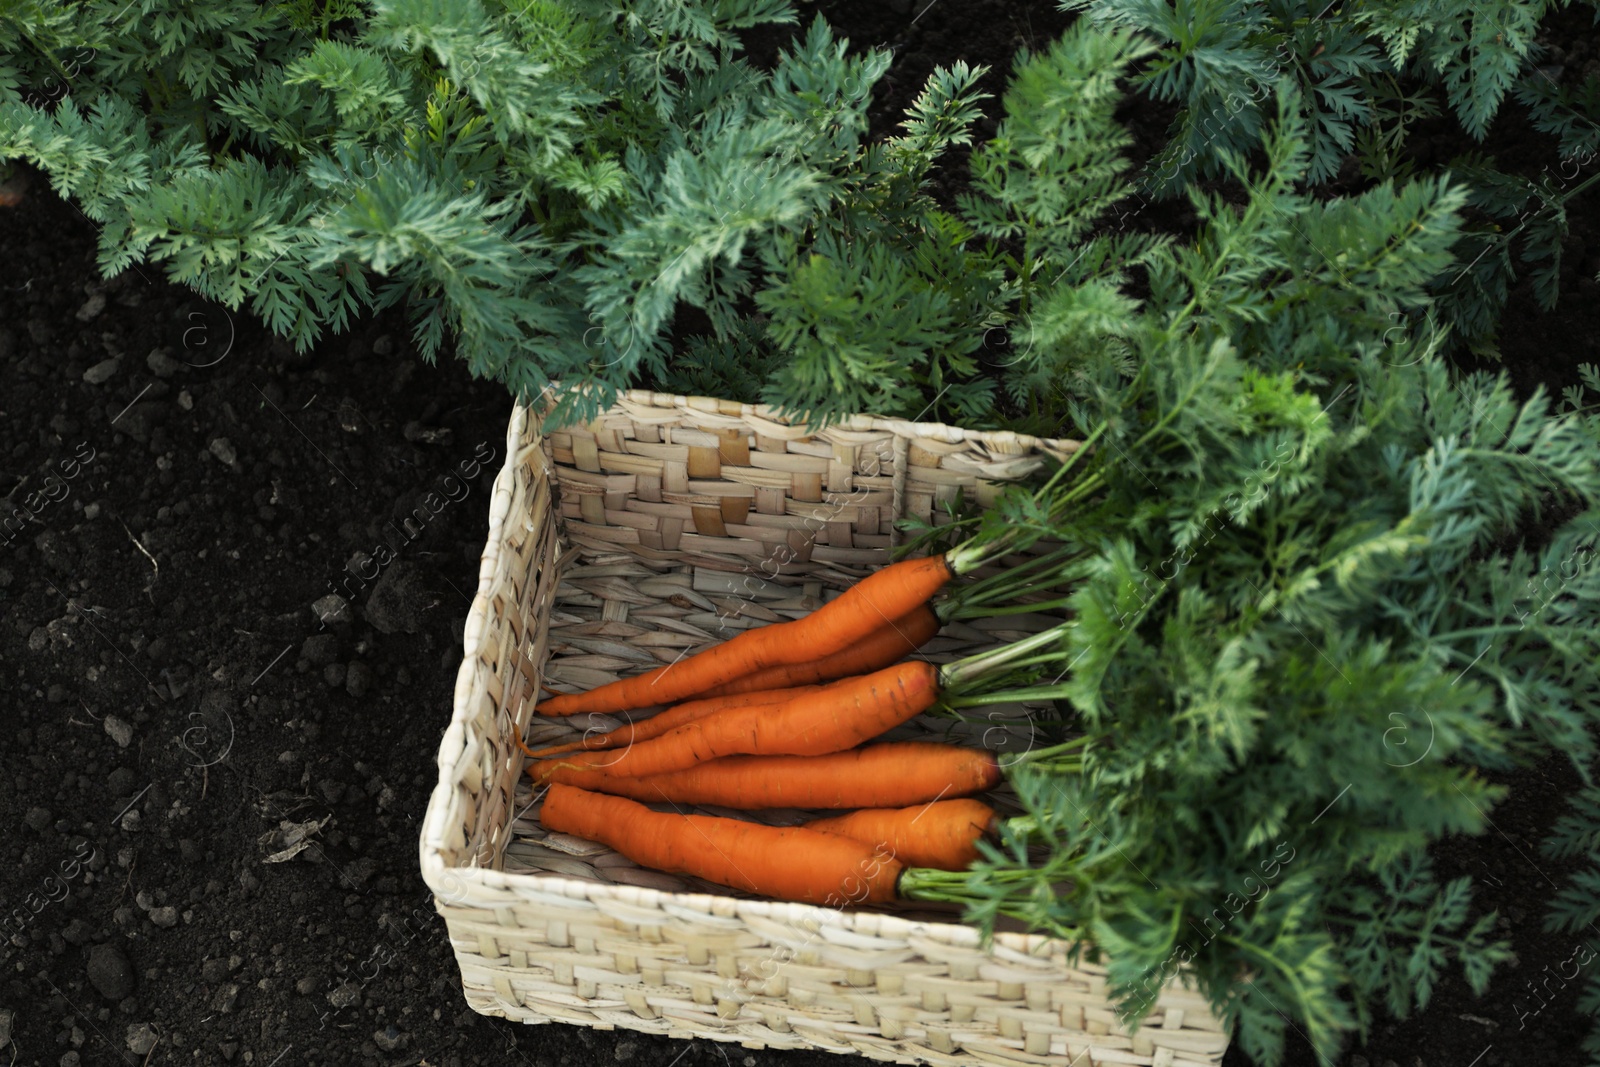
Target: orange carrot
670,719
943,835
831,719
878,598
886,645
890,775
789,863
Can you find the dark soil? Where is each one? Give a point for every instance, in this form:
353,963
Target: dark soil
176,702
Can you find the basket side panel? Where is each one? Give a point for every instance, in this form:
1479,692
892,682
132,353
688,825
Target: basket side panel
479,764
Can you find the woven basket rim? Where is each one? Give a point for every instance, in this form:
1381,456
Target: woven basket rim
712,409
449,881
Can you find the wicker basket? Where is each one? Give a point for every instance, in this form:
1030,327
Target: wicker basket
660,528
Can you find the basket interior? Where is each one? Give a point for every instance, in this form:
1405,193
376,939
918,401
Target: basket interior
634,582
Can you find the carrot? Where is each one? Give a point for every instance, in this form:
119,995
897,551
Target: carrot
831,719
889,775
789,863
881,649
943,835
671,718
881,596
886,645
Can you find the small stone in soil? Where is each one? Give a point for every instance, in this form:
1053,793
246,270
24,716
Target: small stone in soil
77,932
139,421
5,1028
398,600
101,372
91,511
214,971
161,364
92,307
333,609
38,819
307,986
388,1039
346,994
319,650
333,674
110,972
141,1038
225,998
120,782
119,731
165,917
223,449
358,679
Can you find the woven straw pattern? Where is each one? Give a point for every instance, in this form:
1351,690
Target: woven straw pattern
657,530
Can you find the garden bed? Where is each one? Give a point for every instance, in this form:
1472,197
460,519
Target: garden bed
177,701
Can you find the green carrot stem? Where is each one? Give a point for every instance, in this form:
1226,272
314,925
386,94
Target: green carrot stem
1010,696
972,554
1070,460
953,675
1081,490
1013,609
1027,828
956,887
1054,752
1013,573
975,552
1034,661
1060,766
1041,572
956,714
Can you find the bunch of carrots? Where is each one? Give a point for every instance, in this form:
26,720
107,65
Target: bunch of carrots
782,717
